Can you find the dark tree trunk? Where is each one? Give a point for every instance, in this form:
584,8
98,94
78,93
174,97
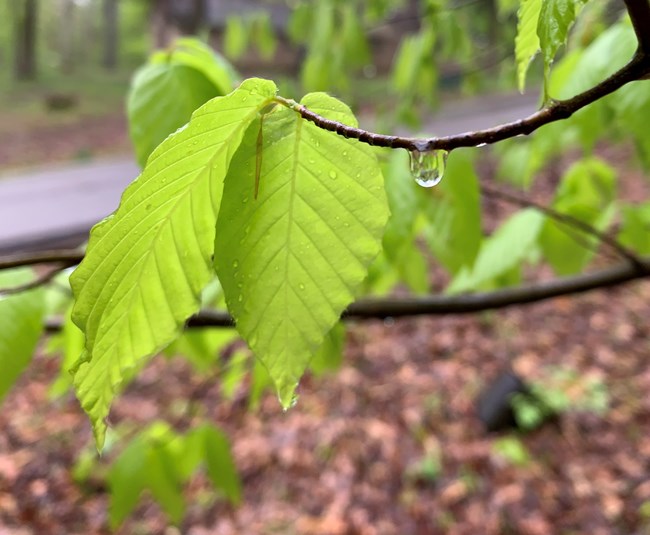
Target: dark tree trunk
160,24
110,34
187,15
25,40
67,36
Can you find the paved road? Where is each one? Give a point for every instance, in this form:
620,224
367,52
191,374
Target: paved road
57,206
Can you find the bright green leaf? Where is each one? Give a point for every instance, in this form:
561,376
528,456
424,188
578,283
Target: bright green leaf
165,92
504,250
21,324
163,485
220,464
235,39
72,348
555,19
291,260
453,210
587,192
636,228
330,355
126,480
147,264
21,315
526,42
399,237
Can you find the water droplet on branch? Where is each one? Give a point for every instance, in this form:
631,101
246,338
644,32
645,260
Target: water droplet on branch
428,167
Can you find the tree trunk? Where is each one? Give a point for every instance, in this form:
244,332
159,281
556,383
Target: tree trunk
67,36
110,34
160,25
25,40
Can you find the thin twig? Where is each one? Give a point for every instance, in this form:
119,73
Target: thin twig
636,69
39,281
567,219
382,308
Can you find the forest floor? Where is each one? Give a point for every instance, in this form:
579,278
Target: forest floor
390,443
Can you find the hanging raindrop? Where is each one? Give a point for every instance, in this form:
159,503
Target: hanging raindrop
428,167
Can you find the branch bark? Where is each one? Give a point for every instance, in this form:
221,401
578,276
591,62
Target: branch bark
382,308
636,69
568,220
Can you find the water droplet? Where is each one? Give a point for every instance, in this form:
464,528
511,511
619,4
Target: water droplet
240,298
244,200
235,264
345,153
428,167
333,174
301,286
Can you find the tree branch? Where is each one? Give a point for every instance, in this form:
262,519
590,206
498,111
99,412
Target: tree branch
382,308
636,69
66,257
639,11
567,219
39,281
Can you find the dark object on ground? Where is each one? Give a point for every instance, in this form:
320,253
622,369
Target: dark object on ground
61,101
494,406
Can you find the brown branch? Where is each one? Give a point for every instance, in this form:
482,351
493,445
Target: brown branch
382,308
636,69
39,281
66,257
639,11
567,219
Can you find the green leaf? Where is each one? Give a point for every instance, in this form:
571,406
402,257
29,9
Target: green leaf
330,355
527,41
555,19
147,264
608,53
21,325
291,259
263,36
233,373
202,347
72,348
636,228
166,91
163,484
194,53
587,192
220,464
400,234
632,107
126,480
504,250
235,40
454,212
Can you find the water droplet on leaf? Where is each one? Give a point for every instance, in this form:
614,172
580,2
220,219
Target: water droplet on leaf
235,264
333,175
428,167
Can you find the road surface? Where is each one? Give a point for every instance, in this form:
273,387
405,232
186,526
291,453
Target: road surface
56,207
